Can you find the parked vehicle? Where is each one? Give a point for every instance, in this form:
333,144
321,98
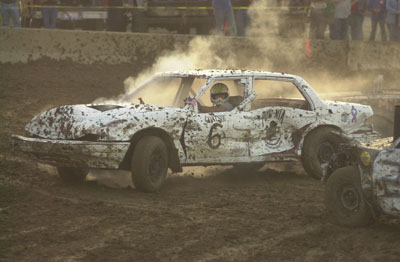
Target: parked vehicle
362,183
275,117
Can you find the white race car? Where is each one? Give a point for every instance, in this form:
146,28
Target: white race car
272,117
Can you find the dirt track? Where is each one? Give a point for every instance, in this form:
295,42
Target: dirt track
203,214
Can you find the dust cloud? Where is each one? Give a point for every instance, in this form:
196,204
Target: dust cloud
262,50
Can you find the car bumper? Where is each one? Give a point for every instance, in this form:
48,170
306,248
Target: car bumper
67,153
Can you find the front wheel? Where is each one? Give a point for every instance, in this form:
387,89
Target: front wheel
345,200
72,174
149,164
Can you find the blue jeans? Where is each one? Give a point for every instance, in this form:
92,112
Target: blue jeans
243,22
340,29
356,23
374,23
220,16
10,10
49,17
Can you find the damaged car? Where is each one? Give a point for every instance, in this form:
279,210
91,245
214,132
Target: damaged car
362,182
172,120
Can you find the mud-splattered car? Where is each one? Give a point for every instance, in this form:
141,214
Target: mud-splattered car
274,117
362,183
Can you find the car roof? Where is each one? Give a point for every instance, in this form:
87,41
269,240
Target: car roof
217,73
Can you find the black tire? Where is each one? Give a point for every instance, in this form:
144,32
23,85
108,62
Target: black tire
318,148
72,175
247,167
149,164
345,200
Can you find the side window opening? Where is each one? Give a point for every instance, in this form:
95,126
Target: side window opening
278,93
236,94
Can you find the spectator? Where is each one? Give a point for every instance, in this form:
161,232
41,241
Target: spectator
378,11
223,12
356,19
393,21
292,17
9,9
318,18
49,13
342,13
26,12
242,16
330,13
115,14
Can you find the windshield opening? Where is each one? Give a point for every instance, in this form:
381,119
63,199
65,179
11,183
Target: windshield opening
166,91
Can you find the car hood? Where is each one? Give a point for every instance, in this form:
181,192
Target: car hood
96,122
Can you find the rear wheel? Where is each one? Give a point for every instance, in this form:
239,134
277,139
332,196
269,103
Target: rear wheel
149,164
72,174
345,200
319,146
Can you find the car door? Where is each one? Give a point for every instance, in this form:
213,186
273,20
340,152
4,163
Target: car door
278,119
219,137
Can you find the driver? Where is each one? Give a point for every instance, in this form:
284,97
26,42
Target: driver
219,95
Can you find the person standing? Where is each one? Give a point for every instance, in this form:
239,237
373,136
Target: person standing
318,19
342,13
242,16
330,13
356,19
392,19
378,11
223,11
9,9
49,13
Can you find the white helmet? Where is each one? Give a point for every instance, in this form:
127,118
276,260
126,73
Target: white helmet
219,94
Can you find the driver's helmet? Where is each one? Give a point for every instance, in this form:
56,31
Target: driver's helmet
219,94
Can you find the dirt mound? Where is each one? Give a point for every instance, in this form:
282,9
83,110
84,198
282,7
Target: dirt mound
202,214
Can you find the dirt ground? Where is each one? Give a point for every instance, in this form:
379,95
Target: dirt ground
203,214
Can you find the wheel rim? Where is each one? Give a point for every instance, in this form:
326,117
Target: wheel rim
350,198
157,166
325,152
